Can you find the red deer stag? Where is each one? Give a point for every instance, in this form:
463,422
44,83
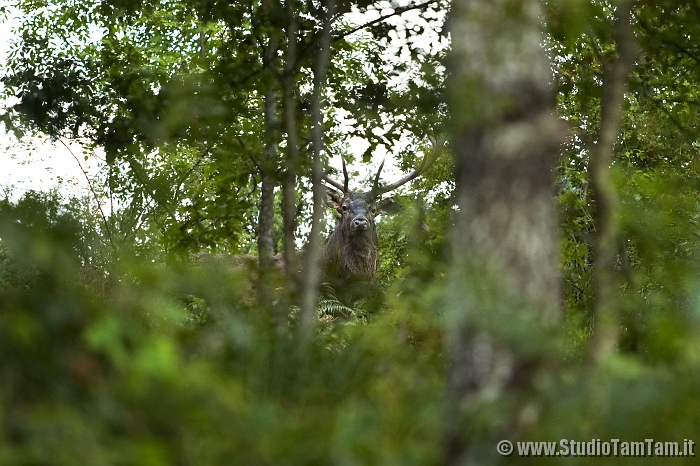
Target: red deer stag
349,257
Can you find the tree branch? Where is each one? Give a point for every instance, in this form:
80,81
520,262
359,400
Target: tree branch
663,40
396,12
94,194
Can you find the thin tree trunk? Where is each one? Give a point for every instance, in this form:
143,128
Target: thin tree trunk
267,190
290,176
504,275
268,166
309,293
607,201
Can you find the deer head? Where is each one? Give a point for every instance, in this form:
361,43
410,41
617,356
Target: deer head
350,255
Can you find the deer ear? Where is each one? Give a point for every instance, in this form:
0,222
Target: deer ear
389,206
333,199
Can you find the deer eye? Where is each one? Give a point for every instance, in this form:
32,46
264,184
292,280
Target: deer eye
344,208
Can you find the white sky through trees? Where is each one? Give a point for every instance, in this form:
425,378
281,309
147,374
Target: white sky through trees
36,163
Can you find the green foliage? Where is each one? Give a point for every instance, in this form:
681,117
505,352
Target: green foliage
656,181
109,356
128,375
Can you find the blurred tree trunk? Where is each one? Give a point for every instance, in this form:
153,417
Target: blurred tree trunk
309,291
606,279
504,279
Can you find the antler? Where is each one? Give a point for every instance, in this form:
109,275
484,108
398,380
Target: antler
425,164
375,185
343,187
345,174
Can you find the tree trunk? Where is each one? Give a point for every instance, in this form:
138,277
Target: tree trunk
267,190
505,138
290,176
268,167
309,293
606,280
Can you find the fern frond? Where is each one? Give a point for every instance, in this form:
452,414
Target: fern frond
333,307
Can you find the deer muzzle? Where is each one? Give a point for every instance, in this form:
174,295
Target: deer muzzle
360,223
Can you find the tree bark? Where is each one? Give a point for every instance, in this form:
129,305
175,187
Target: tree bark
606,280
309,292
505,137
